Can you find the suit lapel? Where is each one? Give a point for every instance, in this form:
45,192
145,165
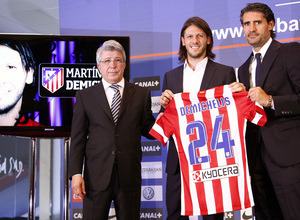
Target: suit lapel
179,79
100,96
268,60
128,93
208,75
244,75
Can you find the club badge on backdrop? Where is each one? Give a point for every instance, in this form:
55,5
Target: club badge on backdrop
52,78
63,80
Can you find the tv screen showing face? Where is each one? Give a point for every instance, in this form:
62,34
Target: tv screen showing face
39,77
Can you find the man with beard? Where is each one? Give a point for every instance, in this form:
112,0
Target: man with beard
198,72
16,73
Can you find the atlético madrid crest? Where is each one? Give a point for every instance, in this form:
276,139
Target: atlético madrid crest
53,78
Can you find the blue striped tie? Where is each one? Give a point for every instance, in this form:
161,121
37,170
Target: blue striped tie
116,102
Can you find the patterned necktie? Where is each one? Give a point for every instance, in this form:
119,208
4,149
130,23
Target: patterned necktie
258,67
116,103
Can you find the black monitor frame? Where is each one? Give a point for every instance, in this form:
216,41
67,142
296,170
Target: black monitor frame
38,43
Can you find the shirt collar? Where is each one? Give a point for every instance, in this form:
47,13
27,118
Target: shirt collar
202,63
264,49
107,84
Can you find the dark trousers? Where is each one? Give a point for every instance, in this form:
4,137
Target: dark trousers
173,200
276,189
96,204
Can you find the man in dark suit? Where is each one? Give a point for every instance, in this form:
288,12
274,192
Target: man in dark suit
273,150
109,147
197,73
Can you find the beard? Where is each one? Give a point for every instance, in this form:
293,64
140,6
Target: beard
197,54
259,41
7,108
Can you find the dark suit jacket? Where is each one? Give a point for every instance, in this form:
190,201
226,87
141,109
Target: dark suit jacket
95,139
280,78
215,75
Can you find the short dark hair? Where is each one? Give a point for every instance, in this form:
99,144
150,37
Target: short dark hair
24,51
263,8
200,23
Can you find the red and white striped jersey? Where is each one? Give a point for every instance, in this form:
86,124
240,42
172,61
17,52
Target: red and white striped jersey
208,128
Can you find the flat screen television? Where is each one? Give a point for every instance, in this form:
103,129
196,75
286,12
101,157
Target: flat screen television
56,66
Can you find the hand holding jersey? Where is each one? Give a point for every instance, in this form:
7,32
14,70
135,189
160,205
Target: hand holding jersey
208,128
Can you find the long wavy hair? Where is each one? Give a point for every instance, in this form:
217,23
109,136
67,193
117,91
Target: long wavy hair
200,23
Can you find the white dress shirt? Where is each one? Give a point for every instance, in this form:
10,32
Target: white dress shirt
192,79
110,91
252,66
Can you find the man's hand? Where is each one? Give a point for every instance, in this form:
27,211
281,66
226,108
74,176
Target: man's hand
257,94
165,98
78,186
159,115
237,87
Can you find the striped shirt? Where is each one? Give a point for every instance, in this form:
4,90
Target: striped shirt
208,128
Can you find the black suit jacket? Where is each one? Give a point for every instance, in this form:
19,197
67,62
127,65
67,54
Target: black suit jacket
95,139
215,74
280,78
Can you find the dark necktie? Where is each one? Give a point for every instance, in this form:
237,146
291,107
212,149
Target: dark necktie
116,102
258,67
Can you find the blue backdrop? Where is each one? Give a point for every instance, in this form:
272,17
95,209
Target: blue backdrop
154,31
